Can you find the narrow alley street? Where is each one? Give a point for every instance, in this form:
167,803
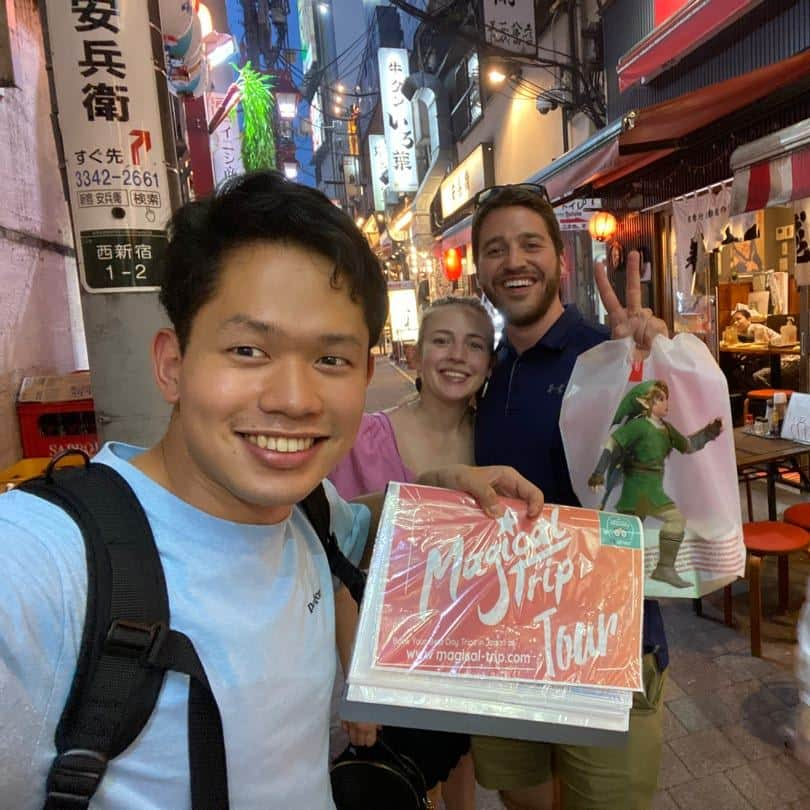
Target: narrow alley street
726,713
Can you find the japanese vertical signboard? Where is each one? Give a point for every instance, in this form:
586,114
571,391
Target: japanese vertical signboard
378,160
510,25
316,121
397,120
109,119
306,28
226,143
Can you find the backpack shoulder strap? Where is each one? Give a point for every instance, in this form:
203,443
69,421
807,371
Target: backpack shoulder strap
126,644
112,694
316,508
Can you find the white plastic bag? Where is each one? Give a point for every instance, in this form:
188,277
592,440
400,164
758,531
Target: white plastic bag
700,484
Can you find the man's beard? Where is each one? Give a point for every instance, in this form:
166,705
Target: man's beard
532,316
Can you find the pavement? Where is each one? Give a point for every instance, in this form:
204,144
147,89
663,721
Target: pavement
726,714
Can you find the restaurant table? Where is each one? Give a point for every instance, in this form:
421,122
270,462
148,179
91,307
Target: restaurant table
767,453
773,353
764,453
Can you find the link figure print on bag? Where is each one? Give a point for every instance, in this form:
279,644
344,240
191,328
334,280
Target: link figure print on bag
636,451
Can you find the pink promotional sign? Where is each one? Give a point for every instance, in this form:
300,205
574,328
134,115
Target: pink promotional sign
557,599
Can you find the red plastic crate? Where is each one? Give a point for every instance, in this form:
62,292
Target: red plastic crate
46,428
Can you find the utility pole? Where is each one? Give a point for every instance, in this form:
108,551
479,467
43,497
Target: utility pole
112,122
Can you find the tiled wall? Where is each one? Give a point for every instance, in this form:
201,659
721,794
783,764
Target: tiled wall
40,321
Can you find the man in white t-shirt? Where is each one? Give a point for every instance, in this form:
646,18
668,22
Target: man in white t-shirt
741,321
275,299
761,377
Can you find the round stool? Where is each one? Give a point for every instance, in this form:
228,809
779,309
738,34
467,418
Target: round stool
761,395
798,515
761,539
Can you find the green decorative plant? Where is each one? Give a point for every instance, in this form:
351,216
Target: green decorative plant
258,140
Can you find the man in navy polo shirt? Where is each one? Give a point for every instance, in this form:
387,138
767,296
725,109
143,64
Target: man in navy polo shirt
518,251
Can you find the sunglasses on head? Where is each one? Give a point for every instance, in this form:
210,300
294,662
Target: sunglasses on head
489,194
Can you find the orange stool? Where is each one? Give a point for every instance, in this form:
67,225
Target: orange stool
761,394
798,515
761,539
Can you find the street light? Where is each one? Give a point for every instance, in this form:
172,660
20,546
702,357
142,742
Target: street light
498,71
290,169
287,96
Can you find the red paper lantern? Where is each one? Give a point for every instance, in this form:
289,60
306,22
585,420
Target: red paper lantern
452,264
602,226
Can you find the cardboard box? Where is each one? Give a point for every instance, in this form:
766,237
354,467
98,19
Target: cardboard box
53,388
57,413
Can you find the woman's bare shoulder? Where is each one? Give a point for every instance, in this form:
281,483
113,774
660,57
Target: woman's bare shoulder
403,419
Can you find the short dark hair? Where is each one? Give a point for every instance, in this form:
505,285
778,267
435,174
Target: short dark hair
742,311
515,195
265,207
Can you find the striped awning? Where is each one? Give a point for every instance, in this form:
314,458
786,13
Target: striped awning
773,170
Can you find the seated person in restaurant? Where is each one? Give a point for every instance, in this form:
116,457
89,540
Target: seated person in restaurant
761,377
741,321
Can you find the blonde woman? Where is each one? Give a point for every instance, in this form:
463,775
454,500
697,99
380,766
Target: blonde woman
454,355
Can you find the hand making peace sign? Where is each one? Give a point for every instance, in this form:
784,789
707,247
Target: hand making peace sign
633,320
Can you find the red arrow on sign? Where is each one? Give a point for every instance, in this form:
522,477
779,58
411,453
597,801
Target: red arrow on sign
141,138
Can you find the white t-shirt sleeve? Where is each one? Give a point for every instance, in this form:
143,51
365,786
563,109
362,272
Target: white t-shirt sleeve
350,523
37,655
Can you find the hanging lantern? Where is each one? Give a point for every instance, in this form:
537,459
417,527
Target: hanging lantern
452,264
287,96
176,17
602,226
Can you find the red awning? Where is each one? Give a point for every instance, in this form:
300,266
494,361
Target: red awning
679,35
562,184
648,135
773,170
665,125
626,165
598,168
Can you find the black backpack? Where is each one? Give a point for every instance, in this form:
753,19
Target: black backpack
127,642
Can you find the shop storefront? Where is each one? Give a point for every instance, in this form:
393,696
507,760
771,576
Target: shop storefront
771,188
455,266
583,253
664,171
454,271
